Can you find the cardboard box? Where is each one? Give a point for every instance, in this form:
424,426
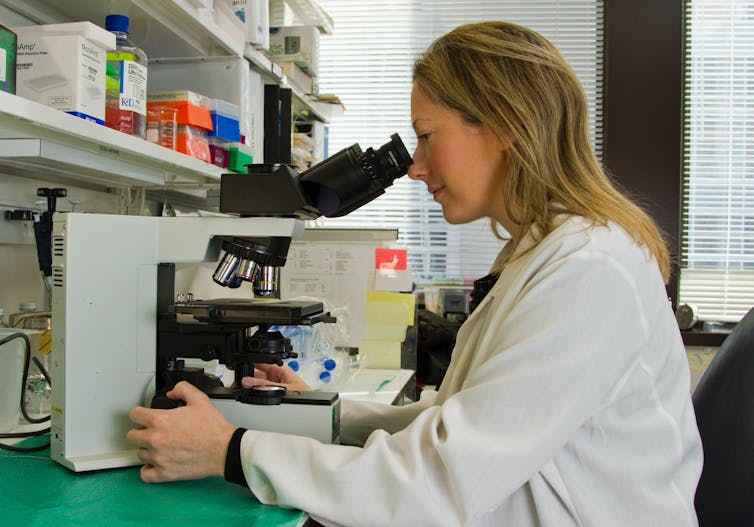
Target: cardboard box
63,66
299,44
298,77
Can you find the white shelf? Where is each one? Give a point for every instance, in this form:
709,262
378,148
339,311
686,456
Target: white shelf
37,141
170,29
274,73
306,12
163,28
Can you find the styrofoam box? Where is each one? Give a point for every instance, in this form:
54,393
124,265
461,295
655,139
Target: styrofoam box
299,44
63,66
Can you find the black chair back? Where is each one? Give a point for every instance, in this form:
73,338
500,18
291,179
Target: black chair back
724,405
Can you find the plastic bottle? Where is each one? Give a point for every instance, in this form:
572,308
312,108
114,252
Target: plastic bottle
2,314
126,81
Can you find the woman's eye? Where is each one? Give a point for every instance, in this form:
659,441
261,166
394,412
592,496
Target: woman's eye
422,136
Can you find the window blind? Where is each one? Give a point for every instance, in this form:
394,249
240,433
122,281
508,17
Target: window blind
717,267
367,62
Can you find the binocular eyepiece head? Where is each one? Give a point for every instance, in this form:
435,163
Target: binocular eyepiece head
334,187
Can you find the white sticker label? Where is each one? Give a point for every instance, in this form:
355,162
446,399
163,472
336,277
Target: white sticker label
133,87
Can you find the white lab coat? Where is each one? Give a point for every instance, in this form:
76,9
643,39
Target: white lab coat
566,403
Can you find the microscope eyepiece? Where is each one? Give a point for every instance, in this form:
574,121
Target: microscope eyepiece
352,178
334,187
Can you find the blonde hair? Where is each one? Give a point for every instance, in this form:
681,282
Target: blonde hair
514,82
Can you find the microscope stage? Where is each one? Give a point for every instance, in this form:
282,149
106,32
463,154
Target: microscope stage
255,311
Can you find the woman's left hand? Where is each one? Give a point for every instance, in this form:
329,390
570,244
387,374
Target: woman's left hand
188,442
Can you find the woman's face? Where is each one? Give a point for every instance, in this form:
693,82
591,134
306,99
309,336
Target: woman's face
461,163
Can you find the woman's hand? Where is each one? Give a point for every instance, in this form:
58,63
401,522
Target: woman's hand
272,373
188,442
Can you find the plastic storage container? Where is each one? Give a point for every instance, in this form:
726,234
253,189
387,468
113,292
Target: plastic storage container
225,130
126,100
239,155
193,118
225,120
218,149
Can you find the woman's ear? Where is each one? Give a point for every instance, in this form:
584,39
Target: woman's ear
508,140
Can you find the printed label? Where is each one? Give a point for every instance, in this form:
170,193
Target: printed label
133,87
3,64
292,45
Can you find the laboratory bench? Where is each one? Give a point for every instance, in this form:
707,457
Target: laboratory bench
38,492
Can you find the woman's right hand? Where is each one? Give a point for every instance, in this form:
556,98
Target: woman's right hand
272,373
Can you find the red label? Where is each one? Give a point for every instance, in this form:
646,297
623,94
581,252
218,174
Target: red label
390,259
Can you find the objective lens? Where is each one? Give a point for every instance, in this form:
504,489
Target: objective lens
226,270
246,269
267,282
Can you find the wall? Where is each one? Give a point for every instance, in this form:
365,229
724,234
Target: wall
643,108
21,279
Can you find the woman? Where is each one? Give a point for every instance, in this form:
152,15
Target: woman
567,398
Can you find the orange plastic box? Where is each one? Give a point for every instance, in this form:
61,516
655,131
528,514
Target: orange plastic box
193,118
193,140
193,108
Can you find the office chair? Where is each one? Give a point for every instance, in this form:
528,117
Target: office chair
724,405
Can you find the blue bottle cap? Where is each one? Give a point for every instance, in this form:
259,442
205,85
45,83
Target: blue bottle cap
329,364
293,364
324,376
118,23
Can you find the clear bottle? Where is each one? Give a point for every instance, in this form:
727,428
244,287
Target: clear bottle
126,82
2,314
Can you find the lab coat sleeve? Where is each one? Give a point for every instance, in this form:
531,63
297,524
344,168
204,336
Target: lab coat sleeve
361,418
551,360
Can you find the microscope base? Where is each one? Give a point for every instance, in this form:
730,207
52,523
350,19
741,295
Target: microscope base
309,414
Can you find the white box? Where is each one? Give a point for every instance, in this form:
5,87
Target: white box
255,15
299,44
253,125
63,66
227,21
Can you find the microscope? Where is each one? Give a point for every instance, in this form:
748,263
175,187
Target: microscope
122,338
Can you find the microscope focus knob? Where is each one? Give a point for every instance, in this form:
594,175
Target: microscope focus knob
263,394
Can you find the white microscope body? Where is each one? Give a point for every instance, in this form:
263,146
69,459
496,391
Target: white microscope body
104,330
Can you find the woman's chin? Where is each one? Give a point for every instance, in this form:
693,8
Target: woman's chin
453,219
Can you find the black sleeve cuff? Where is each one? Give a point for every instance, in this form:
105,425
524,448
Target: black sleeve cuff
233,467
